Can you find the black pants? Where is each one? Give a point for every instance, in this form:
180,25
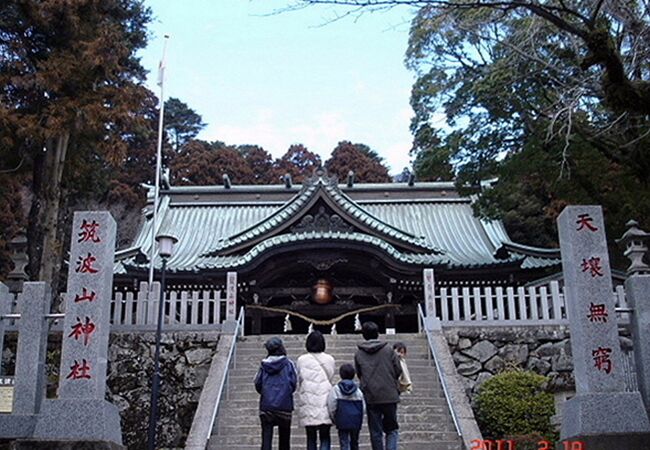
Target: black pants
283,422
323,434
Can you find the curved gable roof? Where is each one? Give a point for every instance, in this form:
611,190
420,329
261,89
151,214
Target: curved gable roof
320,187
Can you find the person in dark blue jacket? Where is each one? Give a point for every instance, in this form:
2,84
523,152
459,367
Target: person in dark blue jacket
346,408
276,381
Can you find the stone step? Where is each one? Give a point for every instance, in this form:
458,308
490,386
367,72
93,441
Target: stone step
363,445
418,394
424,418
236,411
298,438
435,423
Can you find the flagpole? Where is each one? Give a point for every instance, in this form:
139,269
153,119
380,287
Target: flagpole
156,191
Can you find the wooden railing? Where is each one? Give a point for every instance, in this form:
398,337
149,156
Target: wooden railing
543,305
136,311
183,309
454,306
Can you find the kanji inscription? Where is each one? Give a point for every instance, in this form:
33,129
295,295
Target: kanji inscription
87,319
79,371
590,300
83,329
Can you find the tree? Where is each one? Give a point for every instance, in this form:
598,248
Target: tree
70,81
260,162
298,162
595,26
181,122
348,157
12,219
202,163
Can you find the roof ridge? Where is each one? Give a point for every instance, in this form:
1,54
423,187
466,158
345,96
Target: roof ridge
320,182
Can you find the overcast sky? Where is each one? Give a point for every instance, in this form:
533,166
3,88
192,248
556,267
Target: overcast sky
275,80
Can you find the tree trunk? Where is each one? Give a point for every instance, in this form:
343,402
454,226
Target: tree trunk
45,249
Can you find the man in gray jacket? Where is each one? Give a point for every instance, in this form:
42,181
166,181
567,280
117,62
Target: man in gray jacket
379,369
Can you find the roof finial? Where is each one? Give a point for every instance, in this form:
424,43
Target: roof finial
411,179
351,178
226,181
287,180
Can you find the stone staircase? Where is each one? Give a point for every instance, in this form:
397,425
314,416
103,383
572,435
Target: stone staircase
424,418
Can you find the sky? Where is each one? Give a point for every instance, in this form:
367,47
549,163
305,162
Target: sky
296,77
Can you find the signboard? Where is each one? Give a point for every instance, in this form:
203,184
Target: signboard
6,394
231,296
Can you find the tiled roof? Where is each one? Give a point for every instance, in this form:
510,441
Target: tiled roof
433,231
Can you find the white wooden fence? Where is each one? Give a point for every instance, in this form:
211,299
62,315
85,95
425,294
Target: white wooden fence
480,306
138,311
182,309
454,306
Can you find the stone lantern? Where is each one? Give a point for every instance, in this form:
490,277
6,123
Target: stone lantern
634,240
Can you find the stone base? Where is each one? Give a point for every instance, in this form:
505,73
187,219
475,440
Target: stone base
432,324
79,420
614,415
64,445
611,442
14,426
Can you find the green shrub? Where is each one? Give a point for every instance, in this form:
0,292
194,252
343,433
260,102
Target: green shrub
515,403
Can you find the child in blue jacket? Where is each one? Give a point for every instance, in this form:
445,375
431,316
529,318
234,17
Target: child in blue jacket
276,381
347,408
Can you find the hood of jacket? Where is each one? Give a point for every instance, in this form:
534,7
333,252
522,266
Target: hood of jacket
371,346
347,387
274,364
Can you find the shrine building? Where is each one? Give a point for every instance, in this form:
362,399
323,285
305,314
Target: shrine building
322,249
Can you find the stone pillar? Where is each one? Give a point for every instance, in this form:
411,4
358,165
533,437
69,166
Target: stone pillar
431,322
231,303
601,415
5,308
81,413
637,293
29,387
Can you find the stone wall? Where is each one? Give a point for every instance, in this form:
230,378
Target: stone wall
481,352
185,361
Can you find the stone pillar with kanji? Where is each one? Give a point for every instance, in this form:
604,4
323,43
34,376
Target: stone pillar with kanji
81,413
601,415
431,321
231,303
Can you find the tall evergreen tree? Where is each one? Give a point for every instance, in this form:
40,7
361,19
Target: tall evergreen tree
347,157
70,84
181,122
298,162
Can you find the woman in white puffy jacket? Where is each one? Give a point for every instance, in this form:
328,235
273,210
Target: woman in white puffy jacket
315,378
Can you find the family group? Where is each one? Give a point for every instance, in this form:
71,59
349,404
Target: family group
383,376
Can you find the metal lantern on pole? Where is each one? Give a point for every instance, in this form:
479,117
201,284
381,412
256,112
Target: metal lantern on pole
165,250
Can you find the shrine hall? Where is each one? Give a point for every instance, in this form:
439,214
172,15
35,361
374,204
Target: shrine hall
322,250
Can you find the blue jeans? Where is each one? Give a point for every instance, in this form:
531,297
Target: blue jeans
382,419
323,433
349,439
